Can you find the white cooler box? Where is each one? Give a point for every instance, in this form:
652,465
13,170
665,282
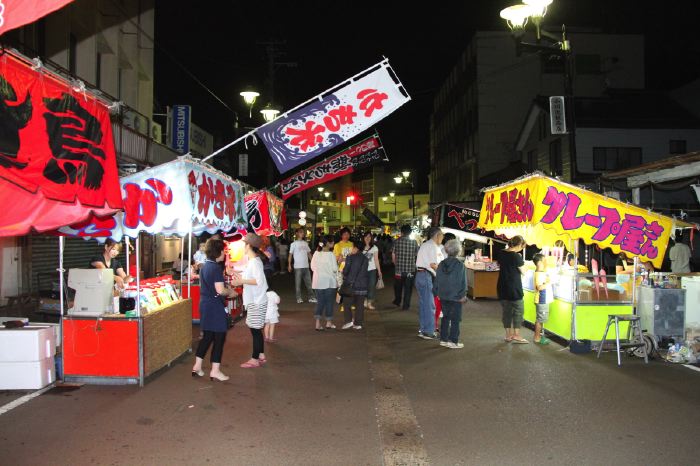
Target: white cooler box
29,375
27,344
27,358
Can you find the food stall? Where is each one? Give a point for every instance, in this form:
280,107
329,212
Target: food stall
182,198
57,166
544,211
265,216
482,271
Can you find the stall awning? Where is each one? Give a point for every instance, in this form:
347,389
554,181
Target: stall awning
543,210
57,160
462,221
172,199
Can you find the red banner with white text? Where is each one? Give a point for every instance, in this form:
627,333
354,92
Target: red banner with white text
57,160
361,155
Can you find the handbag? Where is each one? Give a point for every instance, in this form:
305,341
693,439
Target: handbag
380,284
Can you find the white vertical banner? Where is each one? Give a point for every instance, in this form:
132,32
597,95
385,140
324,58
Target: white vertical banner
242,164
557,114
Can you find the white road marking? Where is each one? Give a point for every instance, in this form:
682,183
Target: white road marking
695,368
20,401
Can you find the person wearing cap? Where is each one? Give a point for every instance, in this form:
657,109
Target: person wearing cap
254,297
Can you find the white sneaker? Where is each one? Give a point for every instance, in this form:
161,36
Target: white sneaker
444,343
348,325
455,345
312,300
357,327
299,301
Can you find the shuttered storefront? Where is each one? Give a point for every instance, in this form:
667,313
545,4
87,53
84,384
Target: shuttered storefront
44,259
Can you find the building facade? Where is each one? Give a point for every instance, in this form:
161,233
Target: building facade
108,45
479,109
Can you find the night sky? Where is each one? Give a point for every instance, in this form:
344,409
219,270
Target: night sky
331,41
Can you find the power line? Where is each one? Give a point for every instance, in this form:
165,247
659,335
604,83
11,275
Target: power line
167,54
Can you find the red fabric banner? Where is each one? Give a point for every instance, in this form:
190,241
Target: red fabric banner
360,155
57,160
265,213
16,13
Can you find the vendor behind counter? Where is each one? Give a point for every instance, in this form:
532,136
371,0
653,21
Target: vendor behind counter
108,260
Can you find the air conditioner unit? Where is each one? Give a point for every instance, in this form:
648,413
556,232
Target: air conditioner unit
136,121
156,132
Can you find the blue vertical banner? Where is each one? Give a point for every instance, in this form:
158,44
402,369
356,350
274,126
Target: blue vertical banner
180,124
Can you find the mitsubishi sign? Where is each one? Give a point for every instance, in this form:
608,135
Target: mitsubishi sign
180,123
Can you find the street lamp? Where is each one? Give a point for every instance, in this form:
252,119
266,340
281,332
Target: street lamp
269,113
405,177
516,17
386,201
249,97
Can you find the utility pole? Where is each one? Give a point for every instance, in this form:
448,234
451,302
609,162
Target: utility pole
272,52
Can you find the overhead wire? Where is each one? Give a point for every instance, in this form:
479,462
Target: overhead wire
171,57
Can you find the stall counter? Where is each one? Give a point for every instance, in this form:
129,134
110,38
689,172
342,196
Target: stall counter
575,317
116,350
481,283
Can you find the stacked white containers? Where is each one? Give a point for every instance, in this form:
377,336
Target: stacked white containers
27,358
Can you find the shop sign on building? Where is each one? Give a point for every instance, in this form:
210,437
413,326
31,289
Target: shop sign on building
201,142
242,164
180,122
557,114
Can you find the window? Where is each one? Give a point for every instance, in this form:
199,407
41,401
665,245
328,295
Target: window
555,160
551,64
531,161
588,64
542,126
616,158
98,70
72,53
677,146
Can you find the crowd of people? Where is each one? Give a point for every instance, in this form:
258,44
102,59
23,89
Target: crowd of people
344,273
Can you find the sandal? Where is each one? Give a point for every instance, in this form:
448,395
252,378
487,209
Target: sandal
251,363
508,340
520,341
262,361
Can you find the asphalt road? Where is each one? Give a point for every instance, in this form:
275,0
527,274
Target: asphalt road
376,396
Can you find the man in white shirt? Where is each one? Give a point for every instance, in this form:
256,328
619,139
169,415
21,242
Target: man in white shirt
300,255
680,256
429,256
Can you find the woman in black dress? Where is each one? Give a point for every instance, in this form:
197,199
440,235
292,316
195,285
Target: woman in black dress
213,312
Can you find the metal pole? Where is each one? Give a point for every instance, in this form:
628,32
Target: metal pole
313,234
138,276
182,260
126,241
571,110
413,199
61,273
189,254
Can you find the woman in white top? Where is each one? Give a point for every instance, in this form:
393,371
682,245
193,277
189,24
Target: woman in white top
371,252
324,282
254,297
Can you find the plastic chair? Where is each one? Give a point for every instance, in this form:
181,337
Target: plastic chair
596,279
604,282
